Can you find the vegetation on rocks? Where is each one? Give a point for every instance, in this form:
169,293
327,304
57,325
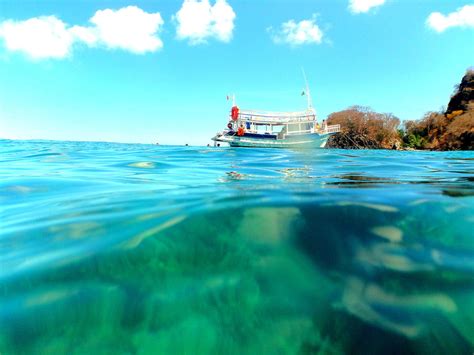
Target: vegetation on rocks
451,129
363,128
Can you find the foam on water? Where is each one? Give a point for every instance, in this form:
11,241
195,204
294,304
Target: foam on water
116,248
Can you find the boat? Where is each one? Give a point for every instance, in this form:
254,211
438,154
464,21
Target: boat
266,129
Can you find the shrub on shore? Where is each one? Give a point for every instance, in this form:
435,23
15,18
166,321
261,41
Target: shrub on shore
449,130
363,128
452,129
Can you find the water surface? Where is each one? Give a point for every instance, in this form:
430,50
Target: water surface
141,249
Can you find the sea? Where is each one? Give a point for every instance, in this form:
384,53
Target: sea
142,249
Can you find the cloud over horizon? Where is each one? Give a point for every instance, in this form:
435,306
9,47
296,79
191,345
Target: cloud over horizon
297,33
130,29
362,6
198,21
462,17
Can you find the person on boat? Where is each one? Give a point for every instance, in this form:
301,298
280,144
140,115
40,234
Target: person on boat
241,130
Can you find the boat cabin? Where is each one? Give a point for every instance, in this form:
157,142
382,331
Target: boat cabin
276,125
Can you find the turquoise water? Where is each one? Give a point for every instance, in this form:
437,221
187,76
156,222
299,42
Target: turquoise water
141,249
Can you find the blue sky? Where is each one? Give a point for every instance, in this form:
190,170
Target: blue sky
159,71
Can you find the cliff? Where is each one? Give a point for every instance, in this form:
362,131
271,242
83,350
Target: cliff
463,98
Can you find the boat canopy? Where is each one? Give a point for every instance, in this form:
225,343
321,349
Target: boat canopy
269,117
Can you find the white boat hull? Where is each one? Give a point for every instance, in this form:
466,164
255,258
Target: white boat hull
313,140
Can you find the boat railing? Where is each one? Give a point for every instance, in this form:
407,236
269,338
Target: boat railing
277,113
333,128
276,117
276,120
299,132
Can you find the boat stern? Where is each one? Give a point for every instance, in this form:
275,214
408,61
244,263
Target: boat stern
223,136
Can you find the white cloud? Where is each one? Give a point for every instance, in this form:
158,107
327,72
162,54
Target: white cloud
38,37
360,6
297,33
84,34
463,17
198,21
129,28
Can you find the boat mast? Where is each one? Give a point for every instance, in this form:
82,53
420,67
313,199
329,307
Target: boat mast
307,92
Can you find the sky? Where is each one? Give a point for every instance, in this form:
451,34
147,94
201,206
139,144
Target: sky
160,70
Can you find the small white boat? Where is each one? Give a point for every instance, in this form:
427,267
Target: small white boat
264,129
